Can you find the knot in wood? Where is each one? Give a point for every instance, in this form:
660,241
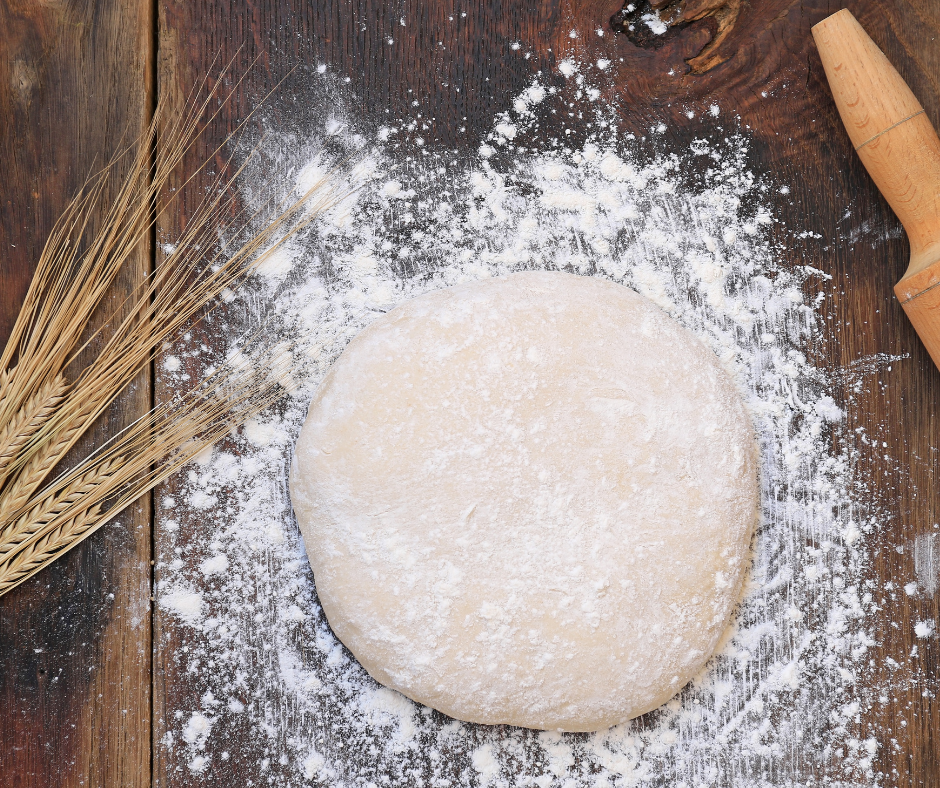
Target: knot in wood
649,24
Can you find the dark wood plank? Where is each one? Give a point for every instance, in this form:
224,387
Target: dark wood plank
772,80
75,85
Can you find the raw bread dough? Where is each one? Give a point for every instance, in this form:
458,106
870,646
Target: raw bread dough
528,500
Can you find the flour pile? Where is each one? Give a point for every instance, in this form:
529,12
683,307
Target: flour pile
689,229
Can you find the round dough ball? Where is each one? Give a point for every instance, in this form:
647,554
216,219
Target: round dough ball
528,500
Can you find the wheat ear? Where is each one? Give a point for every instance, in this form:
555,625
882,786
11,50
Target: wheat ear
37,410
47,455
5,375
14,533
46,549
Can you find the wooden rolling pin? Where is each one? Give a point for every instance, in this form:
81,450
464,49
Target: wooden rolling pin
898,145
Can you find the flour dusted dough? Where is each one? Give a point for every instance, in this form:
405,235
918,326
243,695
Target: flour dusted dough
528,500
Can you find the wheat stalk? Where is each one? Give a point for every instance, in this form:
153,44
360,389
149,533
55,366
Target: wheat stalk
43,415
68,286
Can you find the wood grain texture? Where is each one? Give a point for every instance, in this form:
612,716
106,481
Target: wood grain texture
75,640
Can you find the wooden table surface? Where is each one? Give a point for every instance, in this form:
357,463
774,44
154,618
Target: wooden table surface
86,688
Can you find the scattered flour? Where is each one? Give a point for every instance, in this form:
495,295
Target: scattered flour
197,729
654,23
689,229
927,562
215,565
185,604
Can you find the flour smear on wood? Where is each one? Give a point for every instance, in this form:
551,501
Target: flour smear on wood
690,229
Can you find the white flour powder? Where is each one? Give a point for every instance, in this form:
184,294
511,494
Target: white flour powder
779,705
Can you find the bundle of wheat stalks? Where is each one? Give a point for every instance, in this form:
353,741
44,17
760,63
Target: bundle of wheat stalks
46,406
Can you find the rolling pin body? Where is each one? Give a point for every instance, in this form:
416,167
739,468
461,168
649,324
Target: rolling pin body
901,151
